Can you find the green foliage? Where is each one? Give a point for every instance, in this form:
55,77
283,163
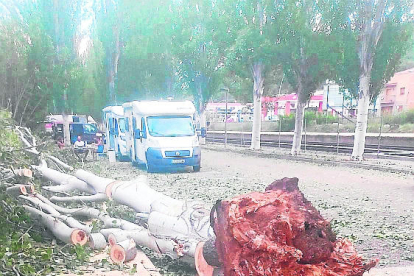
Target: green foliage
394,40
26,247
325,119
287,122
406,117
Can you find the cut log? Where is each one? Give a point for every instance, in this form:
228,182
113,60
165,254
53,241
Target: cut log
23,172
97,241
69,182
202,267
123,251
60,230
191,224
279,232
135,193
70,221
110,222
105,232
17,190
139,196
116,237
98,183
90,198
40,205
83,211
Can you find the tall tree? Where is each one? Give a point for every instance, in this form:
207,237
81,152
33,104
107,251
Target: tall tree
381,30
251,49
306,52
198,42
108,29
41,55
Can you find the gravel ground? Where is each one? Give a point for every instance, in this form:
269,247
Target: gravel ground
374,209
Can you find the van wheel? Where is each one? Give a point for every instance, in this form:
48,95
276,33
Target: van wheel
196,168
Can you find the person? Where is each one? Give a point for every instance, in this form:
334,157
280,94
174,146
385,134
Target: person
80,148
60,142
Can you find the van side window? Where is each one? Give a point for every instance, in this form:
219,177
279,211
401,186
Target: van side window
127,124
144,128
134,125
116,127
111,125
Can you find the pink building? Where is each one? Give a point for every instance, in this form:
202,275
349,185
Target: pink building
398,94
284,104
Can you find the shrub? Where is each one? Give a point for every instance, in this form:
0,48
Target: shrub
322,119
288,122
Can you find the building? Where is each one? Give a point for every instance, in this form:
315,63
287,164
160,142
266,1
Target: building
398,94
286,104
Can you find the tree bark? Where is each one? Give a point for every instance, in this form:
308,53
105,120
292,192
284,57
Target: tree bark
258,79
66,131
113,70
362,117
58,228
66,182
297,136
203,124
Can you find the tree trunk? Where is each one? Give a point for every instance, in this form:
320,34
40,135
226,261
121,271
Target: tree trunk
362,117
258,79
58,228
297,136
201,109
114,65
203,124
66,131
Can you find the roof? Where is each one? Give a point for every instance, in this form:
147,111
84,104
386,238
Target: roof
149,108
117,109
290,97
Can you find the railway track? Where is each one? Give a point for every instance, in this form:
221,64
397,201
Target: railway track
274,142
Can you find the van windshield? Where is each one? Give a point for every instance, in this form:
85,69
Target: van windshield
170,126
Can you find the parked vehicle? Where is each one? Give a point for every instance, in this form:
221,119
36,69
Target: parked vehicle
86,131
161,134
79,125
115,130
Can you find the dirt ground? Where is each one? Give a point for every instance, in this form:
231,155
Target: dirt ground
372,208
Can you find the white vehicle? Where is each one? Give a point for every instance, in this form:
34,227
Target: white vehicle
115,130
161,134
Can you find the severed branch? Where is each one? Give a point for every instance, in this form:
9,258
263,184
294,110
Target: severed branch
88,198
59,229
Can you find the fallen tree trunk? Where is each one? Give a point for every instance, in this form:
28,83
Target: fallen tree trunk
60,230
97,241
70,221
135,193
67,182
190,224
123,251
83,211
89,198
279,232
19,189
59,162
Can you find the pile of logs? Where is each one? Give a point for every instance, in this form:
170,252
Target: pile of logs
276,232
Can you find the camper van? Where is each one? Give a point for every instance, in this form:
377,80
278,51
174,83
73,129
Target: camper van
116,128
161,135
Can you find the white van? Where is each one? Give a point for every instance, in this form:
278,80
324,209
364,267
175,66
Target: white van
115,131
161,134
